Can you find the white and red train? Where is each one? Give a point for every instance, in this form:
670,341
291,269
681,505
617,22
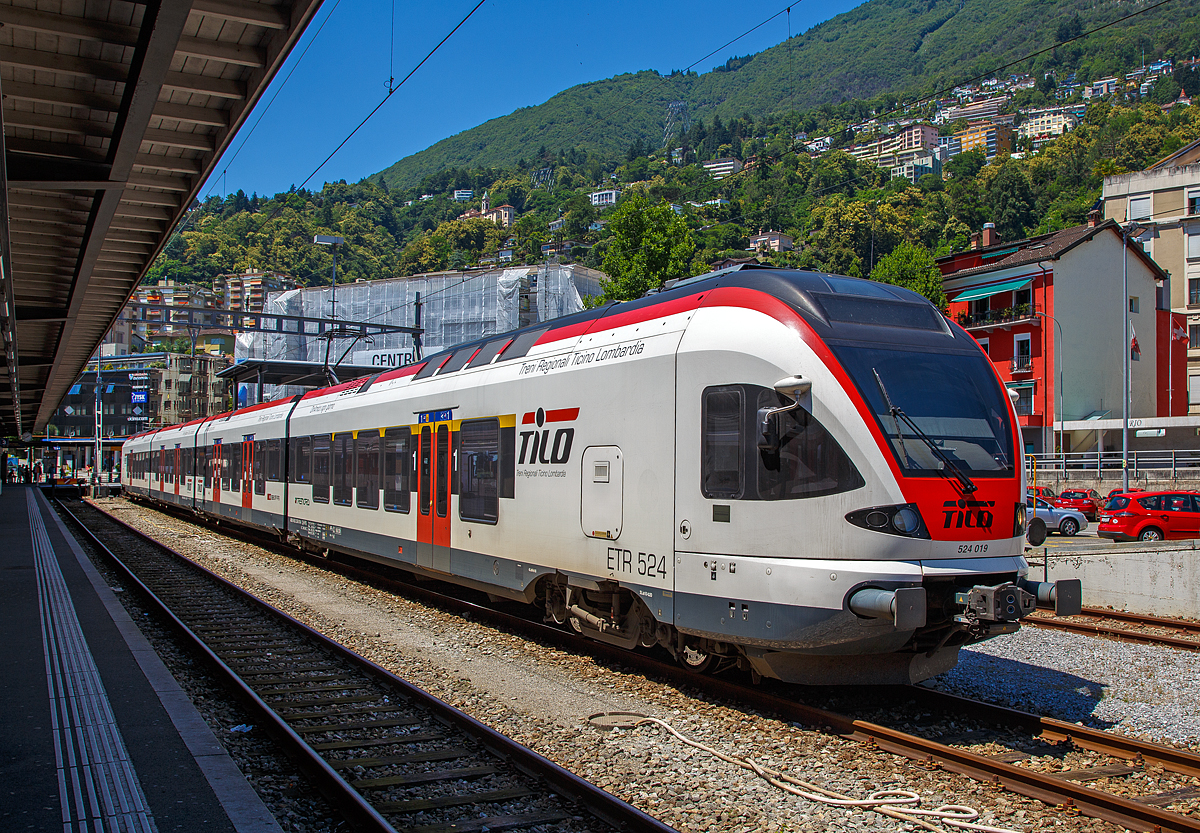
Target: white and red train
815,477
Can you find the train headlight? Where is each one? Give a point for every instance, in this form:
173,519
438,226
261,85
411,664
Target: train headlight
1019,521
903,519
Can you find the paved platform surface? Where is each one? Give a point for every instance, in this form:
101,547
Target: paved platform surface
98,736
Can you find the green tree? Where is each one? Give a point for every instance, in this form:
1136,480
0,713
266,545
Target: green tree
912,266
1010,201
649,244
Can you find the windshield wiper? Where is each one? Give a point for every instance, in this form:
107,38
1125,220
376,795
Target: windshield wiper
967,485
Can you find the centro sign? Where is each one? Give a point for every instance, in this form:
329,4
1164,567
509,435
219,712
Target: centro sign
383,358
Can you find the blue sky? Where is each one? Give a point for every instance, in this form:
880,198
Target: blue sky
508,55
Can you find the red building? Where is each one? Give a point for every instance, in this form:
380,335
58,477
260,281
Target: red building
1049,309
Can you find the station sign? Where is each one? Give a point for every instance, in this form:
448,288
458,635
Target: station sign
383,358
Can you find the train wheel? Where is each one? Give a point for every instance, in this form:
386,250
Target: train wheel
693,659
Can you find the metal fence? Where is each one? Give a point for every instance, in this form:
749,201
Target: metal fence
1161,463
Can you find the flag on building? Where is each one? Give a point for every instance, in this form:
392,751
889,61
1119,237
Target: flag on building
1135,352
1178,333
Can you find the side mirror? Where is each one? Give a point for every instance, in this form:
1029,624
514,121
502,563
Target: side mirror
793,387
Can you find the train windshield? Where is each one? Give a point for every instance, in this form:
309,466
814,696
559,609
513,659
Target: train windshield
952,398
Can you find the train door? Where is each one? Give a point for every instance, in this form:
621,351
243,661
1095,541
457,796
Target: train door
214,461
247,473
178,470
162,468
434,461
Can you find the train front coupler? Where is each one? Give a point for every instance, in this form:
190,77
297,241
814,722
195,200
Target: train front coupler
990,611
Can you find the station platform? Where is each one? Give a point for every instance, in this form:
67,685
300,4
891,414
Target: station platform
98,736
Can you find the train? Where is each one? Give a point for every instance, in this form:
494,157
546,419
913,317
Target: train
810,477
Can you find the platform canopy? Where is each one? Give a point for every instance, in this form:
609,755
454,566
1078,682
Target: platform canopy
114,115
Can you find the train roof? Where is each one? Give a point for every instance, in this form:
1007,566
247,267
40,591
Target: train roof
838,308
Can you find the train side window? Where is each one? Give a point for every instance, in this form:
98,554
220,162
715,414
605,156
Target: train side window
343,470
442,498
274,460
722,470
234,452
397,469
809,462
366,454
479,470
207,465
301,468
426,455
257,466
320,468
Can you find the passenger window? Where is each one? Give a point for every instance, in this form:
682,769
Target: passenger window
396,469
260,479
1153,502
343,470
366,453
301,468
1179,503
722,470
320,468
274,460
442,504
479,470
233,452
489,351
426,456
809,462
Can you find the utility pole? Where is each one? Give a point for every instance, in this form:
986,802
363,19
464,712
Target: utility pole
99,428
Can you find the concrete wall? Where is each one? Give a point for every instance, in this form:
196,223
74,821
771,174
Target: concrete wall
1160,581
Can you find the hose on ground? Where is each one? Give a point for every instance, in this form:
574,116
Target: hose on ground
901,805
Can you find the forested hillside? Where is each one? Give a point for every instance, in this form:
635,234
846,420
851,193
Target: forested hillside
871,57
845,215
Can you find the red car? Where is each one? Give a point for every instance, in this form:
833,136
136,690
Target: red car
1086,501
1154,516
1116,492
1044,492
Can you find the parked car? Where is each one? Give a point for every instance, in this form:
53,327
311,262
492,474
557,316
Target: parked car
1063,521
1116,492
1153,516
1041,491
1086,501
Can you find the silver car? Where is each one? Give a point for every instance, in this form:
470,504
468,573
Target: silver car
1064,521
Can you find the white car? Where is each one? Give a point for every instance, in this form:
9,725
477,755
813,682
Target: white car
1064,521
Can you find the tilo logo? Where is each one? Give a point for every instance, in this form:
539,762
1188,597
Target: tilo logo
537,447
972,514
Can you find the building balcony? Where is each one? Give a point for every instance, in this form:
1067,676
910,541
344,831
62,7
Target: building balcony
1022,314
1021,364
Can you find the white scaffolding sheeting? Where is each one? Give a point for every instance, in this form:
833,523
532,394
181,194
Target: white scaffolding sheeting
457,307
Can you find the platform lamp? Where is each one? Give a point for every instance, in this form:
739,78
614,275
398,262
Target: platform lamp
1131,228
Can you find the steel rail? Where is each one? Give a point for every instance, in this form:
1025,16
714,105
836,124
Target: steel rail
1119,633
1059,731
1044,787
603,805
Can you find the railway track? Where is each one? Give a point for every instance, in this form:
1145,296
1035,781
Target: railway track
1078,790
1131,627
387,754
